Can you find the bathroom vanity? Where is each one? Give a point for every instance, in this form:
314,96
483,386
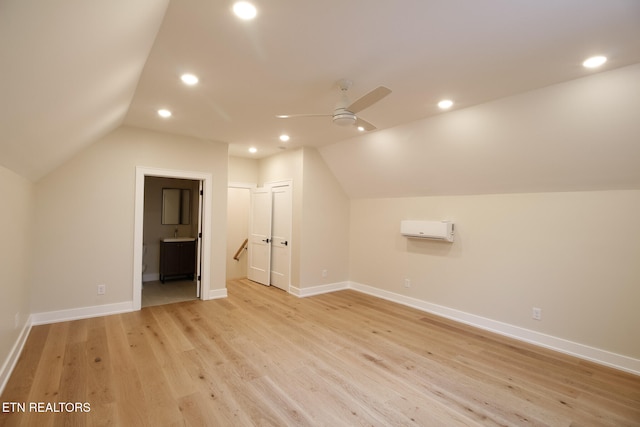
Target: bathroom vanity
177,258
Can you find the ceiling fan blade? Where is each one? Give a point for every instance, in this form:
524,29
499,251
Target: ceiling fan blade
364,124
290,116
369,99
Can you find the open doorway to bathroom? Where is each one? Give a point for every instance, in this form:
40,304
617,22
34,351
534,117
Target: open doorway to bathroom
204,242
171,226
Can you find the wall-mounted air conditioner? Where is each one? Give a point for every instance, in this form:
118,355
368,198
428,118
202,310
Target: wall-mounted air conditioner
438,230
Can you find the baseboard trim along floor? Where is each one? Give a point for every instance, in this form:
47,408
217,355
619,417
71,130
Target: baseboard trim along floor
603,357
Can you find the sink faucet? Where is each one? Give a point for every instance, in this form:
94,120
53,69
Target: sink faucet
175,233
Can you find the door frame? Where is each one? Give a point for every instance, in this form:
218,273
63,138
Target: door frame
207,183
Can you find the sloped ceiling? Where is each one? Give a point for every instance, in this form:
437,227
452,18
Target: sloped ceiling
69,71
75,70
573,136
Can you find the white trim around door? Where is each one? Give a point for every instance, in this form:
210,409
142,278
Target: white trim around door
207,181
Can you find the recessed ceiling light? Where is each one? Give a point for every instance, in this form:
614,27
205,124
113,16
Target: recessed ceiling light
445,103
361,128
594,61
253,150
284,138
189,79
164,113
244,10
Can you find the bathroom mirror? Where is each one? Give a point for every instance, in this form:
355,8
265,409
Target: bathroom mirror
176,203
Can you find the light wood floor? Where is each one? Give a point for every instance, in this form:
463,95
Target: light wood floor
263,357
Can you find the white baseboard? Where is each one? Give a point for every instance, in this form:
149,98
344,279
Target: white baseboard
317,290
11,360
217,293
581,351
81,313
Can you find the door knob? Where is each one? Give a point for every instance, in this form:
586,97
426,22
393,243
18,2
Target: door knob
267,240
284,242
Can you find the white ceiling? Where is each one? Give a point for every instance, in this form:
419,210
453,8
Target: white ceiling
75,69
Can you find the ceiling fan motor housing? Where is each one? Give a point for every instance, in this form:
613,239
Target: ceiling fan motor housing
343,117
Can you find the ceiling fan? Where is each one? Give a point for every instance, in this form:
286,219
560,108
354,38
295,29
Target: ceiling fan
344,113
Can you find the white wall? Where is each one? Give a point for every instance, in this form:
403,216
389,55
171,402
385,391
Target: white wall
16,217
85,216
575,255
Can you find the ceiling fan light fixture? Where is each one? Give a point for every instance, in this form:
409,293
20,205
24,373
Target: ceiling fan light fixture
344,118
344,112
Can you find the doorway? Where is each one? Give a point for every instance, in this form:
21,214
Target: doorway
203,237
269,246
238,208
170,233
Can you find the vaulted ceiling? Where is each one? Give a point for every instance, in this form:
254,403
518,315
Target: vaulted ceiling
74,70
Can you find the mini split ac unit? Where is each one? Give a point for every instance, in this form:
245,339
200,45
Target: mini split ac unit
437,230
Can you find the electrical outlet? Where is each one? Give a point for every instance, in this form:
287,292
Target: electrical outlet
407,283
102,289
16,320
537,313
325,273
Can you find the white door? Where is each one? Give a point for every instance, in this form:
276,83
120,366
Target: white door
281,237
259,259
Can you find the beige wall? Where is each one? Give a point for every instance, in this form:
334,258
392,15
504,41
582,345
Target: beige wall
325,225
16,217
85,216
242,170
575,255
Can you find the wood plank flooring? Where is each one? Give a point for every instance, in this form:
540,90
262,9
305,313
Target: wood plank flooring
263,357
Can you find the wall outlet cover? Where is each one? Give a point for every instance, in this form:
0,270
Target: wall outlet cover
537,313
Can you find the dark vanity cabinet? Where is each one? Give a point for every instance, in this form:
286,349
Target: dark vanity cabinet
177,260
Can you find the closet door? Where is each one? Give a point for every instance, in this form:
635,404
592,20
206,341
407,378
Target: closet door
269,257
259,259
281,236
